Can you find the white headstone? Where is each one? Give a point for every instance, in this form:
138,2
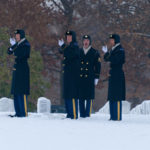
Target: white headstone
6,105
143,108
104,109
43,105
126,106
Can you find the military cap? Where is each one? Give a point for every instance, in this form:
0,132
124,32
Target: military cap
116,38
21,32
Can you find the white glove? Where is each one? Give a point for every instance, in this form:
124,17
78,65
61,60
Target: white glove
96,81
60,42
12,41
105,49
11,49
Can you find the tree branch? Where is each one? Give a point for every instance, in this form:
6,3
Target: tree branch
141,34
58,6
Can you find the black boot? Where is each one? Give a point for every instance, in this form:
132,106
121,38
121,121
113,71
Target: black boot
12,116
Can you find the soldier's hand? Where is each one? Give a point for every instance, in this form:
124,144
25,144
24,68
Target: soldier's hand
105,49
10,49
12,41
96,81
60,42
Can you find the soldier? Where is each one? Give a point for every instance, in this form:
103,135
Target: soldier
116,89
20,81
70,51
90,67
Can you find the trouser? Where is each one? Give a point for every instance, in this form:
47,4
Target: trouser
85,107
115,110
72,108
20,104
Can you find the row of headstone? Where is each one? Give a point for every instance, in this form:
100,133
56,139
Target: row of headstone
143,108
44,106
126,107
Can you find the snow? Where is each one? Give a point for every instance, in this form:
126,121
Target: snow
44,132
143,108
126,106
52,4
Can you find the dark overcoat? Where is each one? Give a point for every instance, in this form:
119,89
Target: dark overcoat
70,70
90,67
116,87
21,73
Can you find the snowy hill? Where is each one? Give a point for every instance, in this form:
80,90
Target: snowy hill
143,108
51,132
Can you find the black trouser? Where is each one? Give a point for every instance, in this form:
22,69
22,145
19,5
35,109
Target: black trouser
115,110
20,104
72,108
85,107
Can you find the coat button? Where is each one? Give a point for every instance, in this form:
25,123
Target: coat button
86,69
62,71
63,65
82,62
81,75
87,63
81,69
86,76
64,58
99,59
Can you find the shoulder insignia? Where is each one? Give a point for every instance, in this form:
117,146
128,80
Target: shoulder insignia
27,44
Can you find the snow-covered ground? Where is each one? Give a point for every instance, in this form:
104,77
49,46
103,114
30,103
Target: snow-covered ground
51,132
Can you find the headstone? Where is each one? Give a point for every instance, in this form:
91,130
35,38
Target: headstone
43,105
143,108
104,109
126,106
6,105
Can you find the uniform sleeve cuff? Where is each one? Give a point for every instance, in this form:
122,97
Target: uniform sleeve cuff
97,76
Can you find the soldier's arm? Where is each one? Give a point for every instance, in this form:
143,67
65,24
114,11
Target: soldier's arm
24,52
107,56
97,65
72,53
118,58
62,48
11,49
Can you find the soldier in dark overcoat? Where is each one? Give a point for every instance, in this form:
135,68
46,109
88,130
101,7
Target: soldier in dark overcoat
70,51
90,67
116,87
21,75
